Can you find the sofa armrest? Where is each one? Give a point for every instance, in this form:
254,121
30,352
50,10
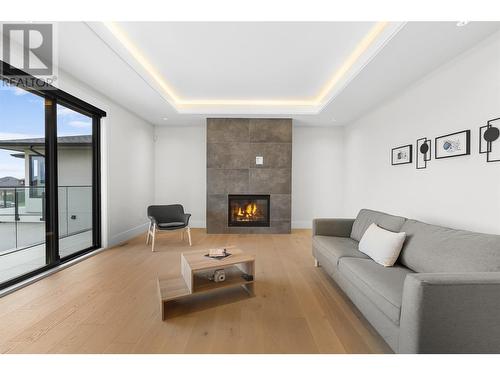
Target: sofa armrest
332,227
450,313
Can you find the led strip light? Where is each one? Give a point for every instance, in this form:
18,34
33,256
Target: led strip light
167,89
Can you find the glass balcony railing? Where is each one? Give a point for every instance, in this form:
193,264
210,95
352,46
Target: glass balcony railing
22,226
22,215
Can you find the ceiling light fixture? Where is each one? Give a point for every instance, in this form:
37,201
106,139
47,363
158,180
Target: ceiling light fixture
462,23
361,48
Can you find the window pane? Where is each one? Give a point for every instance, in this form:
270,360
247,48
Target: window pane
74,158
22,182
37,175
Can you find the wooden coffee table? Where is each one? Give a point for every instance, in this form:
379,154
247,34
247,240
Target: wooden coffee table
195,271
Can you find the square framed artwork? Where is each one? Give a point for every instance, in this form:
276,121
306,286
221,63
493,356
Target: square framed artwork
402,155
452,145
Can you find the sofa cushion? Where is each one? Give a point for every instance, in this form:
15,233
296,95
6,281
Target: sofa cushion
366,218
431,248
383,286
334,248
383,246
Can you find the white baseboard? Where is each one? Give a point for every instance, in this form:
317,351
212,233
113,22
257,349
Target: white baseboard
128,234
305,224
133,232
197,224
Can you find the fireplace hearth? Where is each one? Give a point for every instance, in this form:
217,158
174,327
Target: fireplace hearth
248,210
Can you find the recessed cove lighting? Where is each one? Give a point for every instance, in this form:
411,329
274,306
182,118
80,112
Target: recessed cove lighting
462,23
170,94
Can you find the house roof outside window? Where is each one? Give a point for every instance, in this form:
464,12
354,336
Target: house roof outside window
65,141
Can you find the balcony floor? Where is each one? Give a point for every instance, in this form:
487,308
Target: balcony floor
23,261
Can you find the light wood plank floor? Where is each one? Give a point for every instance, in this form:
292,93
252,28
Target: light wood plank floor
109,304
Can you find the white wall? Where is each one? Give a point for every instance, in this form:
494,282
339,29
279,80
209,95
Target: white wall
461,192
180,169
317,174
127,164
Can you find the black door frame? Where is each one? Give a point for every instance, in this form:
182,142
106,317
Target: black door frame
54,96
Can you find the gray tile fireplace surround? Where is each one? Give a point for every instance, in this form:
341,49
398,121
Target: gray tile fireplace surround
232,146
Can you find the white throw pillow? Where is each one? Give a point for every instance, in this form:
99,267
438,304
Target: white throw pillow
381,245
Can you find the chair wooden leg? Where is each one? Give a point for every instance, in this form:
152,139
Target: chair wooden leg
148,234
153,239
316,263
188,230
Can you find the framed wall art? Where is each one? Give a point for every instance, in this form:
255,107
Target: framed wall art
402,155
423,153
489,140
452,145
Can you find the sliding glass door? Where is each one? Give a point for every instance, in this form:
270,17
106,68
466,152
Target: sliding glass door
49,178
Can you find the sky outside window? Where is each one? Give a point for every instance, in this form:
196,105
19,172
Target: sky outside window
22,115
70,122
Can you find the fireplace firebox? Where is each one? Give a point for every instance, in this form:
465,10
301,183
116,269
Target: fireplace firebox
248,210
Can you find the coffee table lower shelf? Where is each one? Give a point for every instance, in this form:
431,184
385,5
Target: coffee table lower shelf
174,289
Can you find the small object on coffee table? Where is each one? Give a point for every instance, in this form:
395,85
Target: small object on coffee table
247,277
219,276
217,253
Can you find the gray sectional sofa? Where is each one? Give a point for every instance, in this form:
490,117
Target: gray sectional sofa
443,294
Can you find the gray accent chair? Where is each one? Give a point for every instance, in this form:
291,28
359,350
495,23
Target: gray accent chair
168,218
442,296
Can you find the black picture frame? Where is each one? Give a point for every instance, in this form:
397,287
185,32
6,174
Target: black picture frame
467,145
482,142
410,153
427,155
488,143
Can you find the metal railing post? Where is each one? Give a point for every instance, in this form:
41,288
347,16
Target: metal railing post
43,206
16,206
16,218
67,211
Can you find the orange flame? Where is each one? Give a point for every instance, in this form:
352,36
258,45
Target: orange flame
247,212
